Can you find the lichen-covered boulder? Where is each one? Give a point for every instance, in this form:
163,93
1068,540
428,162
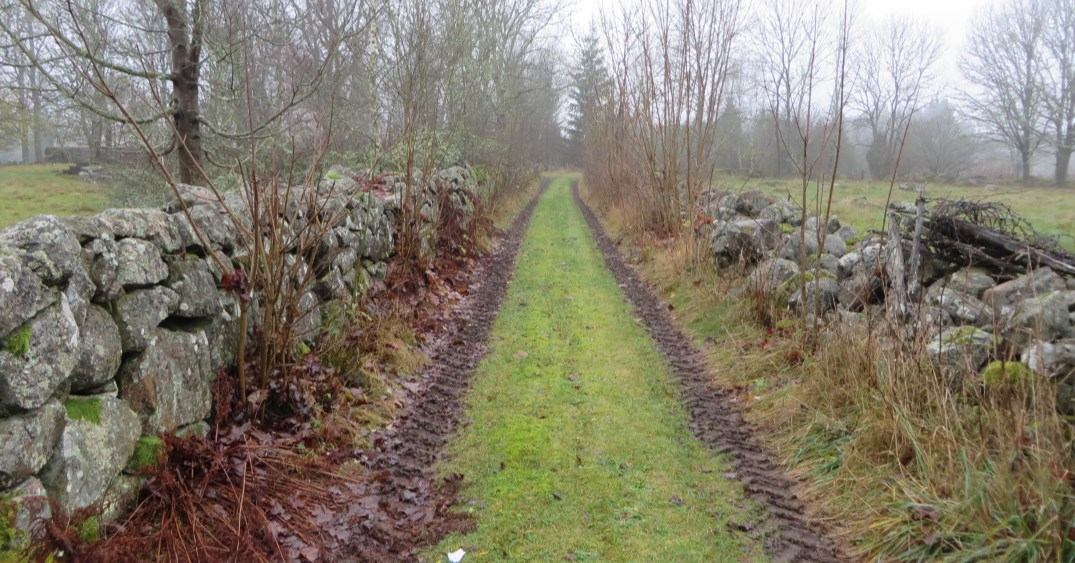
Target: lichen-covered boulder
308,323
190,196
958,351
102,255
138,263
369,219
866,287
793,246
817,295
22,294
963,308
97,441
137,313
100,351
222,333
1045,317
782,211
972,281
1005,296
27,441
37,359
213,222
829,263
192,282
743,241
771,275
814,225
847,233
1056,360
153,225
752,202
79,291
168,384
46,245
834,245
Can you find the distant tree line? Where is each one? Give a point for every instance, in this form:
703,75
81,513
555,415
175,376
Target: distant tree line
388,82
811,86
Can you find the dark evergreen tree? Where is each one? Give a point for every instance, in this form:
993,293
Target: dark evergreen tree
589,87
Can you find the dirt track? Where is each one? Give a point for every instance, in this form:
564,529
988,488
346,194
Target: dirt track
785,531
404,507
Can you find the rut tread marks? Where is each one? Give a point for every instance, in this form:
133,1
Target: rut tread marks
788,534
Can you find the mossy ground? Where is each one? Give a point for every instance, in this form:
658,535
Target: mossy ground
83,408
576,447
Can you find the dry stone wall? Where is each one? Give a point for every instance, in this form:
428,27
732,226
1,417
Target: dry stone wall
113,327
971,315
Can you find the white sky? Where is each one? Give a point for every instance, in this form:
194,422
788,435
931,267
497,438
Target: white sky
952,16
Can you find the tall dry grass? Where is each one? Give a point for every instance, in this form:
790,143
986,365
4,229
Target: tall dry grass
913,469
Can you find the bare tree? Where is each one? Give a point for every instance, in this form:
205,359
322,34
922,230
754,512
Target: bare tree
1005,62
893,76
671,64
940,144
162,60
790,63
1059,83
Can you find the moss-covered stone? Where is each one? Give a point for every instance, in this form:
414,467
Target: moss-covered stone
18,344
83,408
1005,374
148,453
963,335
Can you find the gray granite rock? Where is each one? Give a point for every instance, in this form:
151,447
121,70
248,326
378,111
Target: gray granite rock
98,439
27,442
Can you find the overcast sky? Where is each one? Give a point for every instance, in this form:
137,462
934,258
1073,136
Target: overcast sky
952,16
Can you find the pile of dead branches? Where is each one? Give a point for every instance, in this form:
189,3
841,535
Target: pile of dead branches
980,233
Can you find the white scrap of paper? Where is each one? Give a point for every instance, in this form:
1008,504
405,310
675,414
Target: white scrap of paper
456,556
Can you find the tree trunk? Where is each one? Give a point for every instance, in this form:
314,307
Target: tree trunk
1025,163
38,129
1063,160
185,91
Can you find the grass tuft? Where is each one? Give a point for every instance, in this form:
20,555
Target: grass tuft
148,454
18,343
89,530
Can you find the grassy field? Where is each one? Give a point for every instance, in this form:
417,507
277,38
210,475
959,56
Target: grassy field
576,448
861,203
37,189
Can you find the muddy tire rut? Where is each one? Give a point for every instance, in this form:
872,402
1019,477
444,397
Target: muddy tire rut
785,531
403,506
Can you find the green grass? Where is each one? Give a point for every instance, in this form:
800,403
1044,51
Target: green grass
576,446
861,203
39,189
